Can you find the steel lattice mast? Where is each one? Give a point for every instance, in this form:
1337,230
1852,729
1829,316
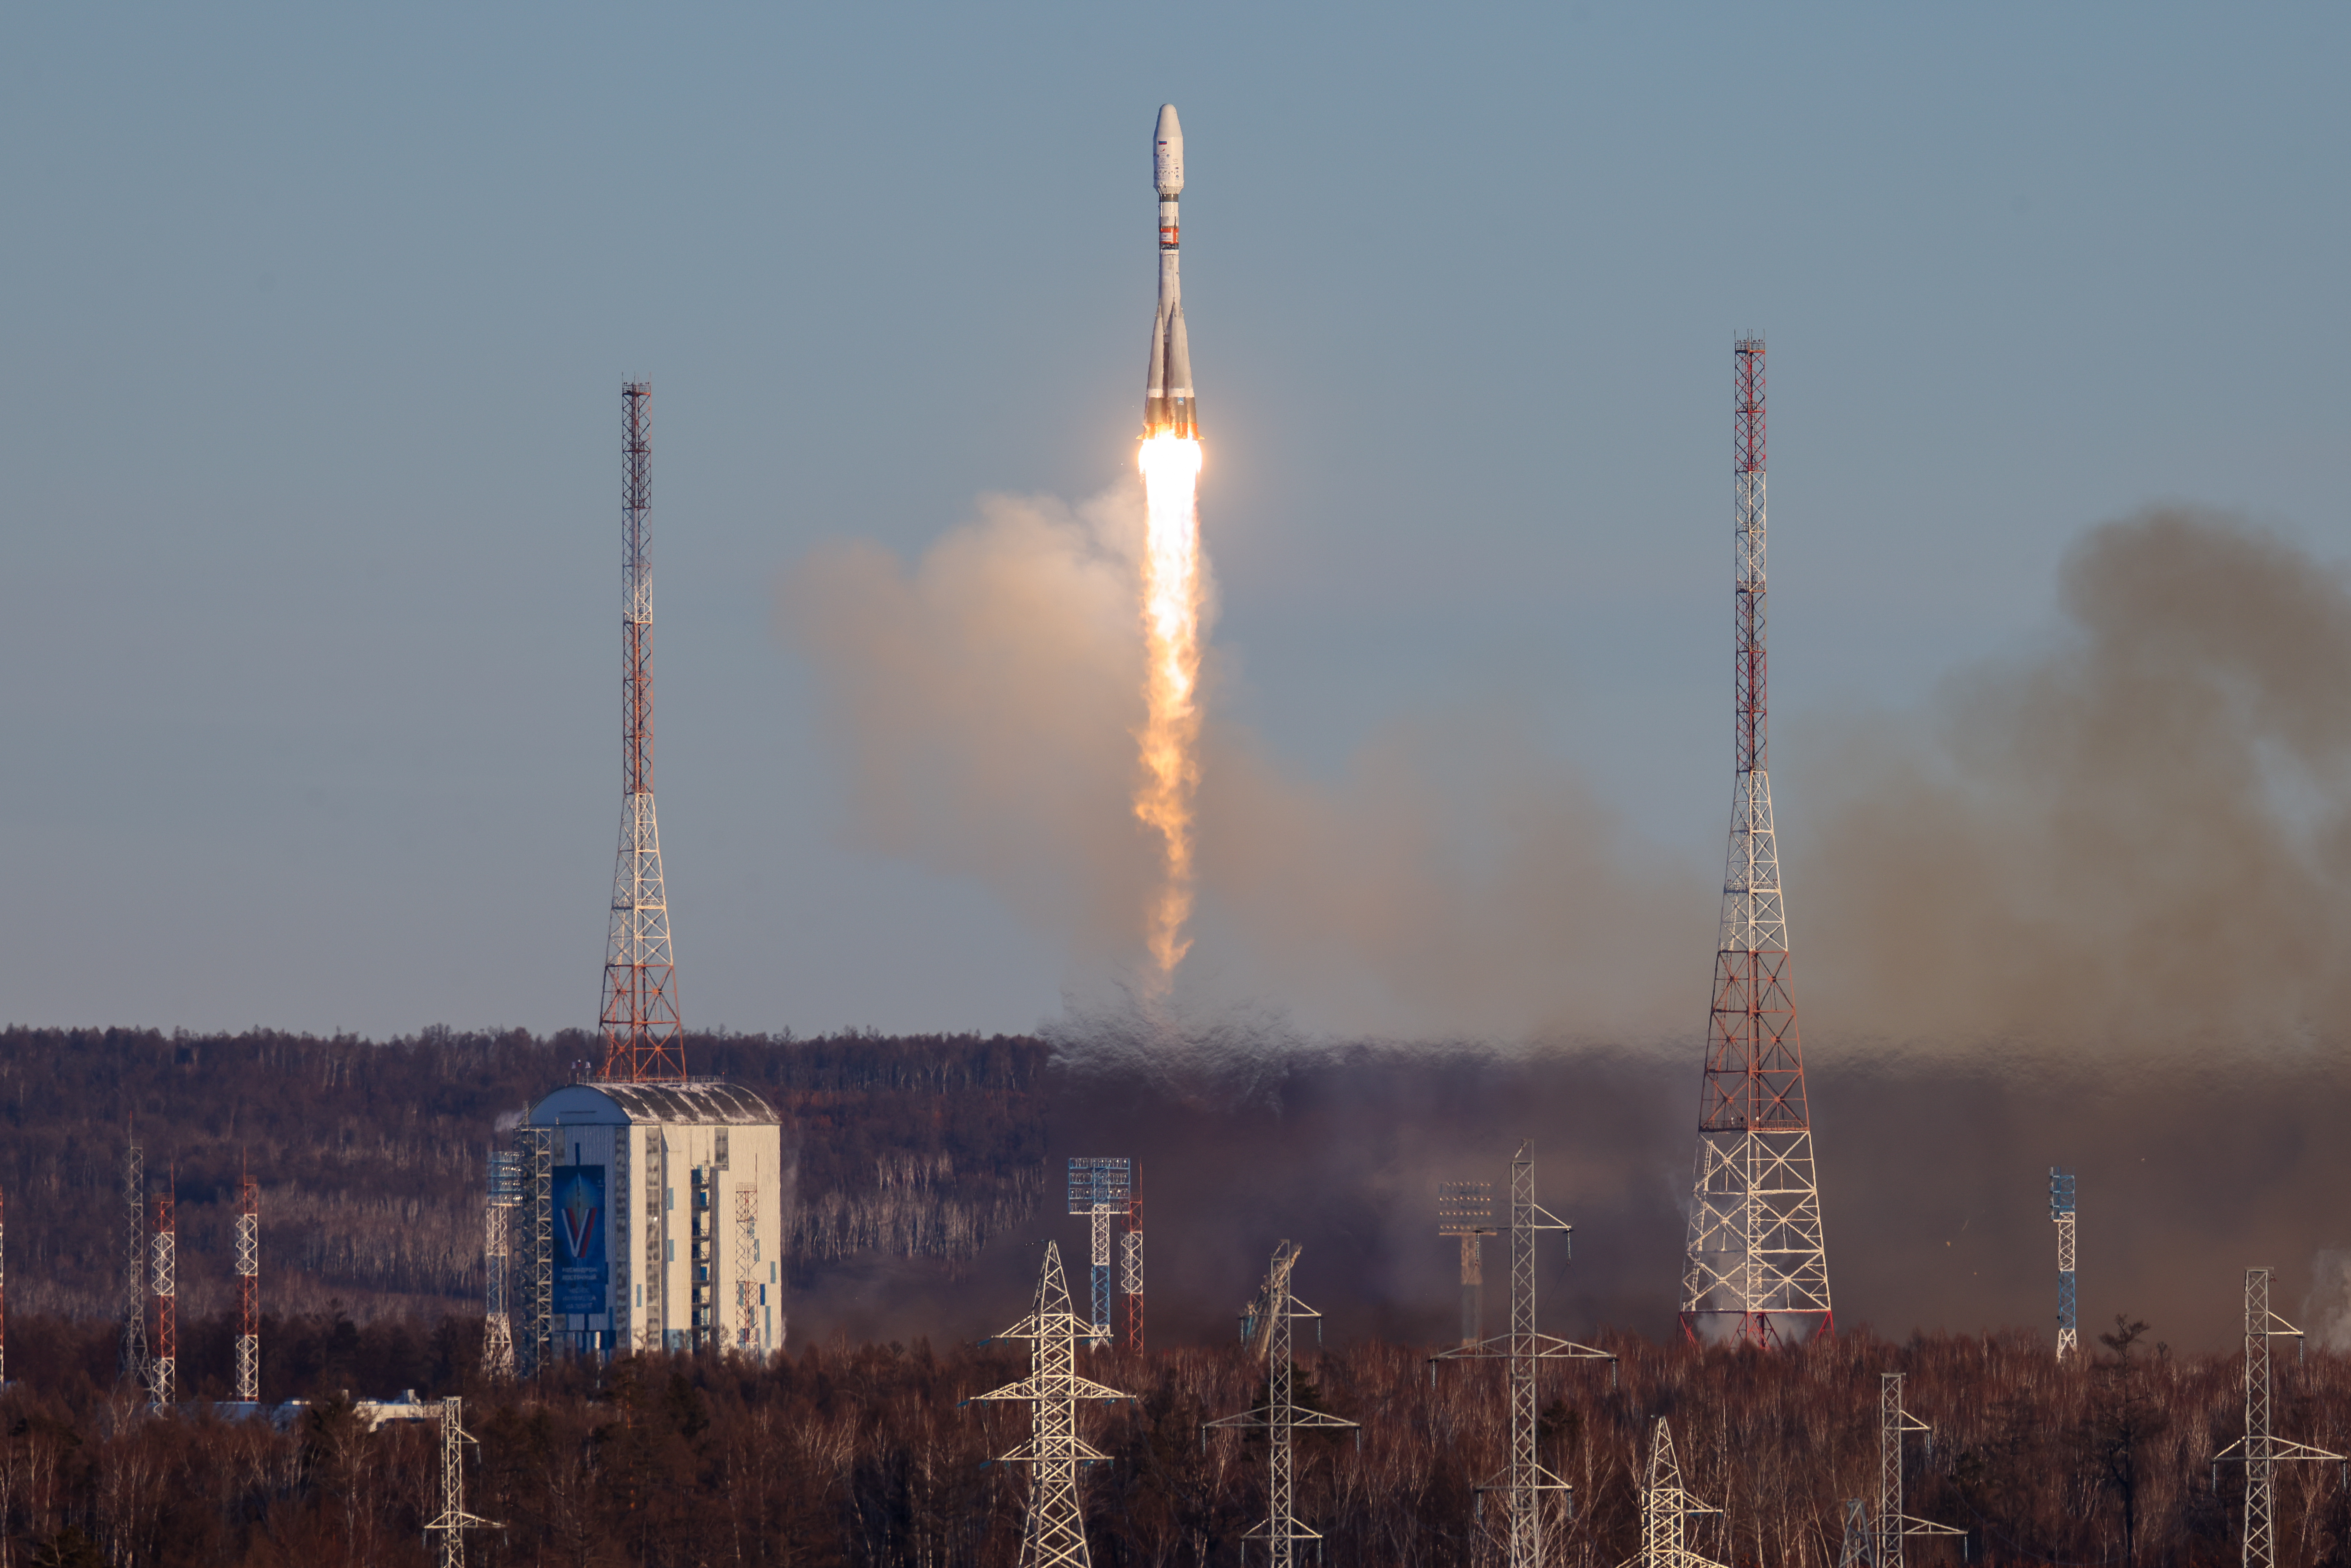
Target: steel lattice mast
642,1037
1755,1249
248,1289
164,1367
133,1368
454,1520
2061,1211
1526,1479
1894,1526
1129,1272
505,1194
1102,1192
2261,1449
1054,1535
1268,1328
1667,1509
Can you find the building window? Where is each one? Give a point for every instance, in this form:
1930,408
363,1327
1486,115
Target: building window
640,1295
669,1197
669,1250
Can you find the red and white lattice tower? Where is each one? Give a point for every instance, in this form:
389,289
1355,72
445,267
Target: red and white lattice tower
1756,1267
164,1366
643,1039
248,1289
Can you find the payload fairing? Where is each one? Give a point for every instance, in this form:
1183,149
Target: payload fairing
1167,407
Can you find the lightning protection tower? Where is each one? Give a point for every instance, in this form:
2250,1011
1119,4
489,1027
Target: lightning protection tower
248,1289
133,1368
644,1041
1102,1190
1466,1209
1054,1535
1894,1526
1666,1509
2061,1211
1267,1326
164,1367
1130,1270
2261,1449
1756,1254
1526,1481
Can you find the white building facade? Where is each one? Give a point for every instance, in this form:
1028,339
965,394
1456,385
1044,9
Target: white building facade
651,1219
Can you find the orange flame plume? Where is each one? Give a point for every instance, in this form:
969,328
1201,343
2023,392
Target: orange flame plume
1171,734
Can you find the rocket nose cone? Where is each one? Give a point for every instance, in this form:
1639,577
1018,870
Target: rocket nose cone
1167,153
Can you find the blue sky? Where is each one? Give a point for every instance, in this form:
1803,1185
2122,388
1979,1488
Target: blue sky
316,319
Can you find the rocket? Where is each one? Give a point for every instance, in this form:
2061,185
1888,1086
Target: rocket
1167,406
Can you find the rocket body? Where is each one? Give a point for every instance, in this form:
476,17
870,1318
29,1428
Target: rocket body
1167,405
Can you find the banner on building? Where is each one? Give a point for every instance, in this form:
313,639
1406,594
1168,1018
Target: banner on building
580,1270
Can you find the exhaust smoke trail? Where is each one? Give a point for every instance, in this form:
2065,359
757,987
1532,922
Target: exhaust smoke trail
1171,732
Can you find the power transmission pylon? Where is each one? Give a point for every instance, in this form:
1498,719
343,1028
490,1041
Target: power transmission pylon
135,1265
1054,1534
2061,1211
1894,1526
1525,1479
1756,1252
248,1289
1102,1192
2260,1449
1666,1509
164,1367
644,1041
498,1264
1855,1551
1267,1327
454,1520
1466,1209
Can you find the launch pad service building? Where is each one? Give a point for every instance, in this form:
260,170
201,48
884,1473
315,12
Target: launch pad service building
650,1218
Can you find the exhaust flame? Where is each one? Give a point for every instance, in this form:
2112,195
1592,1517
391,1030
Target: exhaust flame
1171,734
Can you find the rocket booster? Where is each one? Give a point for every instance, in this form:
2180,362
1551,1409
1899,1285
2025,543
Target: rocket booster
1167,406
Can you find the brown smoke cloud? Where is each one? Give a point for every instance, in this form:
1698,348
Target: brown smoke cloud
2141,835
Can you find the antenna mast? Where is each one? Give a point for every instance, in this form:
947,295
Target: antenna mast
248,1289
162,1371
1755,1249
643,1039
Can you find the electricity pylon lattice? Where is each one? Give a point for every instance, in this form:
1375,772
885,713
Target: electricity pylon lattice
135,1266
2261,1449
1525,1480
454,1520
1102,1191
1267,1327
1054,1534
1466,1209
1756,1253
1666,1509
498,1264
1894,1526
248,1289
2061,1211
1855,1551
644,1041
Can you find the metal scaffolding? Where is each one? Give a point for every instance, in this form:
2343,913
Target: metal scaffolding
1102,1191
2061,1211
248,1289
2260,1451
135,1266
1667,1509
535,1268
1894,1526
1466,1209
454,1520
505,1194
1054,1535
1756,1256
1525,1480
164,1366
746,1290
1265,1326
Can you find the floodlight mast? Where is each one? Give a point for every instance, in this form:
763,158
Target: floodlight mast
1054,1533
2261,1449
1102,1191
1466,1209
1265,1326
2060,1212
1525,1480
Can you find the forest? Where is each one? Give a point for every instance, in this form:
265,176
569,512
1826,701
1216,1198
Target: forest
868,1454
